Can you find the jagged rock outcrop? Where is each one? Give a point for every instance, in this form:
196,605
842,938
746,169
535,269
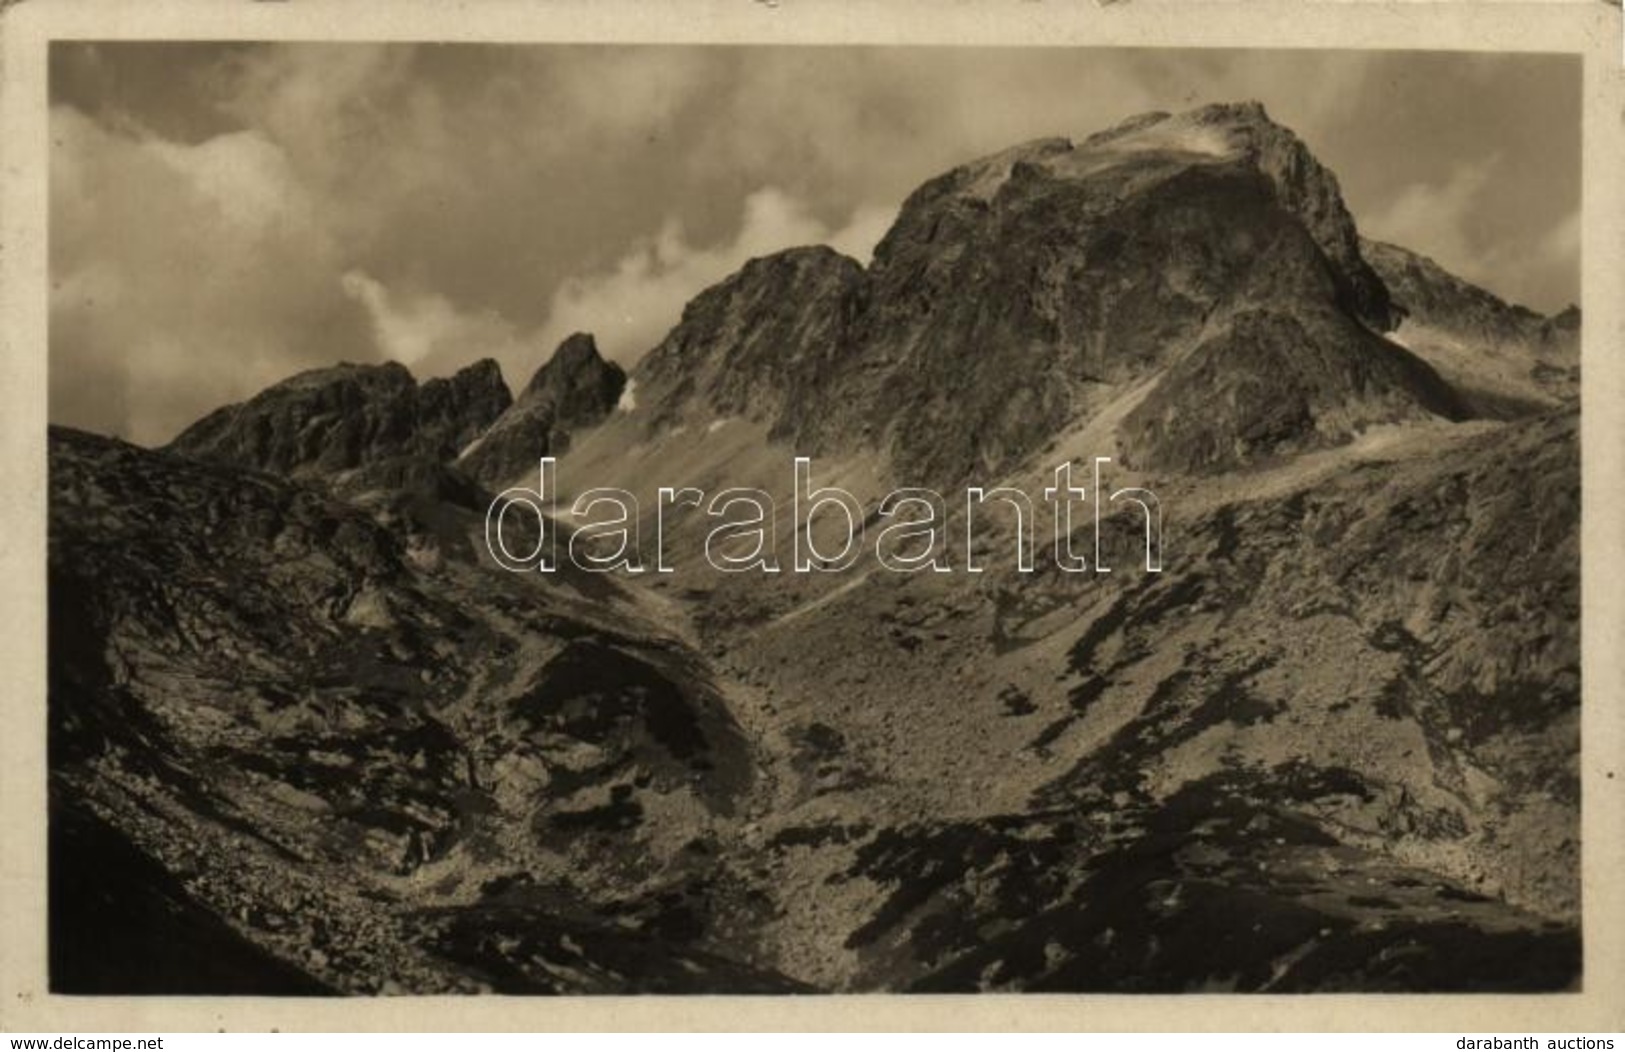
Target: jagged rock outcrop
1011,291
574,389
347,416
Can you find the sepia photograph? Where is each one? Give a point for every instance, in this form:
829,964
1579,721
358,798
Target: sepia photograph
814,518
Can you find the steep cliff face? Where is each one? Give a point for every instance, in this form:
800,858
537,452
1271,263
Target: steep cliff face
576,388
1013,291
1309,190
344,417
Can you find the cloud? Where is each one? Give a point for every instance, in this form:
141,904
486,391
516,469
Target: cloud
632,305
429,334
628,306
338,112
1554,266
1439,216
1448,222
183,277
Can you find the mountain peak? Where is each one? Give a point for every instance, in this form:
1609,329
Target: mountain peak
575,368
575,388
1238,116
577,355
1012,292
1244,112
1143,150
367,374
1245,131
483,371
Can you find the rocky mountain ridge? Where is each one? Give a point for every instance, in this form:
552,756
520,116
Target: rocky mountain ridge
1011,289
574,389
1333,746
1504,359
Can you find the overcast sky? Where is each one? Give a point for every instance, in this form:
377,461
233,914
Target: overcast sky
225,215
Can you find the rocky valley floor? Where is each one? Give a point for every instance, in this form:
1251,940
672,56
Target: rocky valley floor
1305,757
